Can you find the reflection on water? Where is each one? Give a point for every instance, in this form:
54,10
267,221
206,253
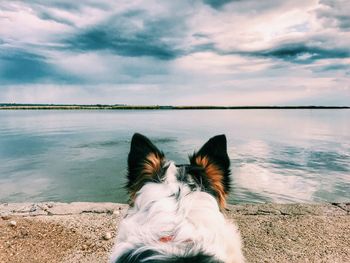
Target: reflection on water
276,155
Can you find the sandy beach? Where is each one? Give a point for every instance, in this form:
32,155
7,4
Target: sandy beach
85,232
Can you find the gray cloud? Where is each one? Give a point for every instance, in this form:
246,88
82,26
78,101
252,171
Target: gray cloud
297,52
20,66
249,6
331,68
45,15
336,67
133,34
71,5
334,14
217,4
302,52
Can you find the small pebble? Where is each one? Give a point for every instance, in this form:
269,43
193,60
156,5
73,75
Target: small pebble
107,236
116,212
5,217
13,223
24,232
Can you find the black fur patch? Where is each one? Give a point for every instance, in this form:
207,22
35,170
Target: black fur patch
132,256
216,151
202,181
140,148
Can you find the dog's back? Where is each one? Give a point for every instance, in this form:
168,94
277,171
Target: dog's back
175,214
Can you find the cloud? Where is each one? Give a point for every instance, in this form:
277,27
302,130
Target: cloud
49,16
336,67
217,4
71,6
176,52
20,66
132,34
296,52
333,67
301,52
104,68
252,7
334,14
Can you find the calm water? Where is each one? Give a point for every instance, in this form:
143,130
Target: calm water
276,155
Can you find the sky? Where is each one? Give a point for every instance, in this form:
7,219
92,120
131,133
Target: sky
198,52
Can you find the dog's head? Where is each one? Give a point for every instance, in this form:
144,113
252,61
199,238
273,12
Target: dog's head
208,169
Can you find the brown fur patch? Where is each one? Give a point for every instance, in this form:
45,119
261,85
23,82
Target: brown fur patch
149,171
215,176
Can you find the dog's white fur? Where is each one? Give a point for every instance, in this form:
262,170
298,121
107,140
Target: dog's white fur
193,220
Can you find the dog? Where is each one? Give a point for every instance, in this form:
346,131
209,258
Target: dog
176,211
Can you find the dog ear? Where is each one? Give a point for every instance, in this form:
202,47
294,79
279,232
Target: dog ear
145,163
213,159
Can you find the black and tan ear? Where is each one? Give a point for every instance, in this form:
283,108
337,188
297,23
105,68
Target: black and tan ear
214,160
145,164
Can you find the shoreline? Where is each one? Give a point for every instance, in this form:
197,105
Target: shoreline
155,107
84,232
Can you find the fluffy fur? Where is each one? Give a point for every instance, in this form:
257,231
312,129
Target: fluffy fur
175,213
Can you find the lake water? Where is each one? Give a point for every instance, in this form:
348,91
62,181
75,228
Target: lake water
276,155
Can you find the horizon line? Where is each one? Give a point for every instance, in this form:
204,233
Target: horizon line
179,107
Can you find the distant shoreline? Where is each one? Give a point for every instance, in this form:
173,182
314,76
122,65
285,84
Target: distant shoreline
5,106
